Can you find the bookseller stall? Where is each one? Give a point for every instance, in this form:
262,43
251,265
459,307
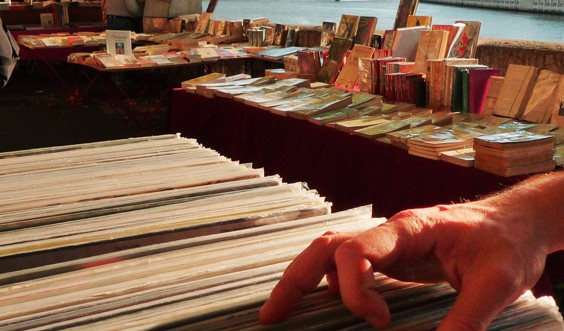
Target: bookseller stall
347,169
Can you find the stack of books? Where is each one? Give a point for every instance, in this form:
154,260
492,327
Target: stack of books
443,139
514,153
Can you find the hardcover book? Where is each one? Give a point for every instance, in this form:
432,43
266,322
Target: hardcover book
416,20
406,41
366,27
348,26
446,93
349,73
432,46
492,93
478,84
539,106
516,89
466,43
280,34
332,64
454,31
460,86
388,39
328,30
405,8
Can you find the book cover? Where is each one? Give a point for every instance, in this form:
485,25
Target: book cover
448,76
365,78
454,30
538,108
388,40
349,74
381,129
406,41
118,42
513,140
328,30
432,46
332,64
279,34
465,44
291,37
515,90
478,84
355,124
492,93
366,28
334,116
382,67
405,8
416,20
348,26
46,20
459,75
308,61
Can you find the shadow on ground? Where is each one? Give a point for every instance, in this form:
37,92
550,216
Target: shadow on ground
34,113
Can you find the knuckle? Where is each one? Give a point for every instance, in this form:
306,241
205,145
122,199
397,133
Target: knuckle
349,249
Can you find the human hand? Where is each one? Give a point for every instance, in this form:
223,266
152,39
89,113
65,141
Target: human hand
490,252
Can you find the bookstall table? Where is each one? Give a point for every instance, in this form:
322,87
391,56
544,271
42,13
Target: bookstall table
348,170
52,53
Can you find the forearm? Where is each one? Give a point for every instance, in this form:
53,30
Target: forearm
538,200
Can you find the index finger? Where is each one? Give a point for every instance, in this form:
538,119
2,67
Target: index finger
302,276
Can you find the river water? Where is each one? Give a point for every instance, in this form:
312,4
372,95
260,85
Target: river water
495,23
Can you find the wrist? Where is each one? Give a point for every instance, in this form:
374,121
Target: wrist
536,204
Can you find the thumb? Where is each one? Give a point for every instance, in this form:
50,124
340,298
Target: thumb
481,299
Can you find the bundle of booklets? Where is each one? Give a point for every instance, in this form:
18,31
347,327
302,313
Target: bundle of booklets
197,242
514,153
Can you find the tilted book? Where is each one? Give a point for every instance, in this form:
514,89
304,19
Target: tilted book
516,89
366,27
539,106
348,26
406,41
349,73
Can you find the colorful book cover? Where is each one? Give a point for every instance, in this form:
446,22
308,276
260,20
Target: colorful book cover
466,44
454,30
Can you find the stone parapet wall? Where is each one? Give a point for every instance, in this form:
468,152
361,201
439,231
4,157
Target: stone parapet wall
499,53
